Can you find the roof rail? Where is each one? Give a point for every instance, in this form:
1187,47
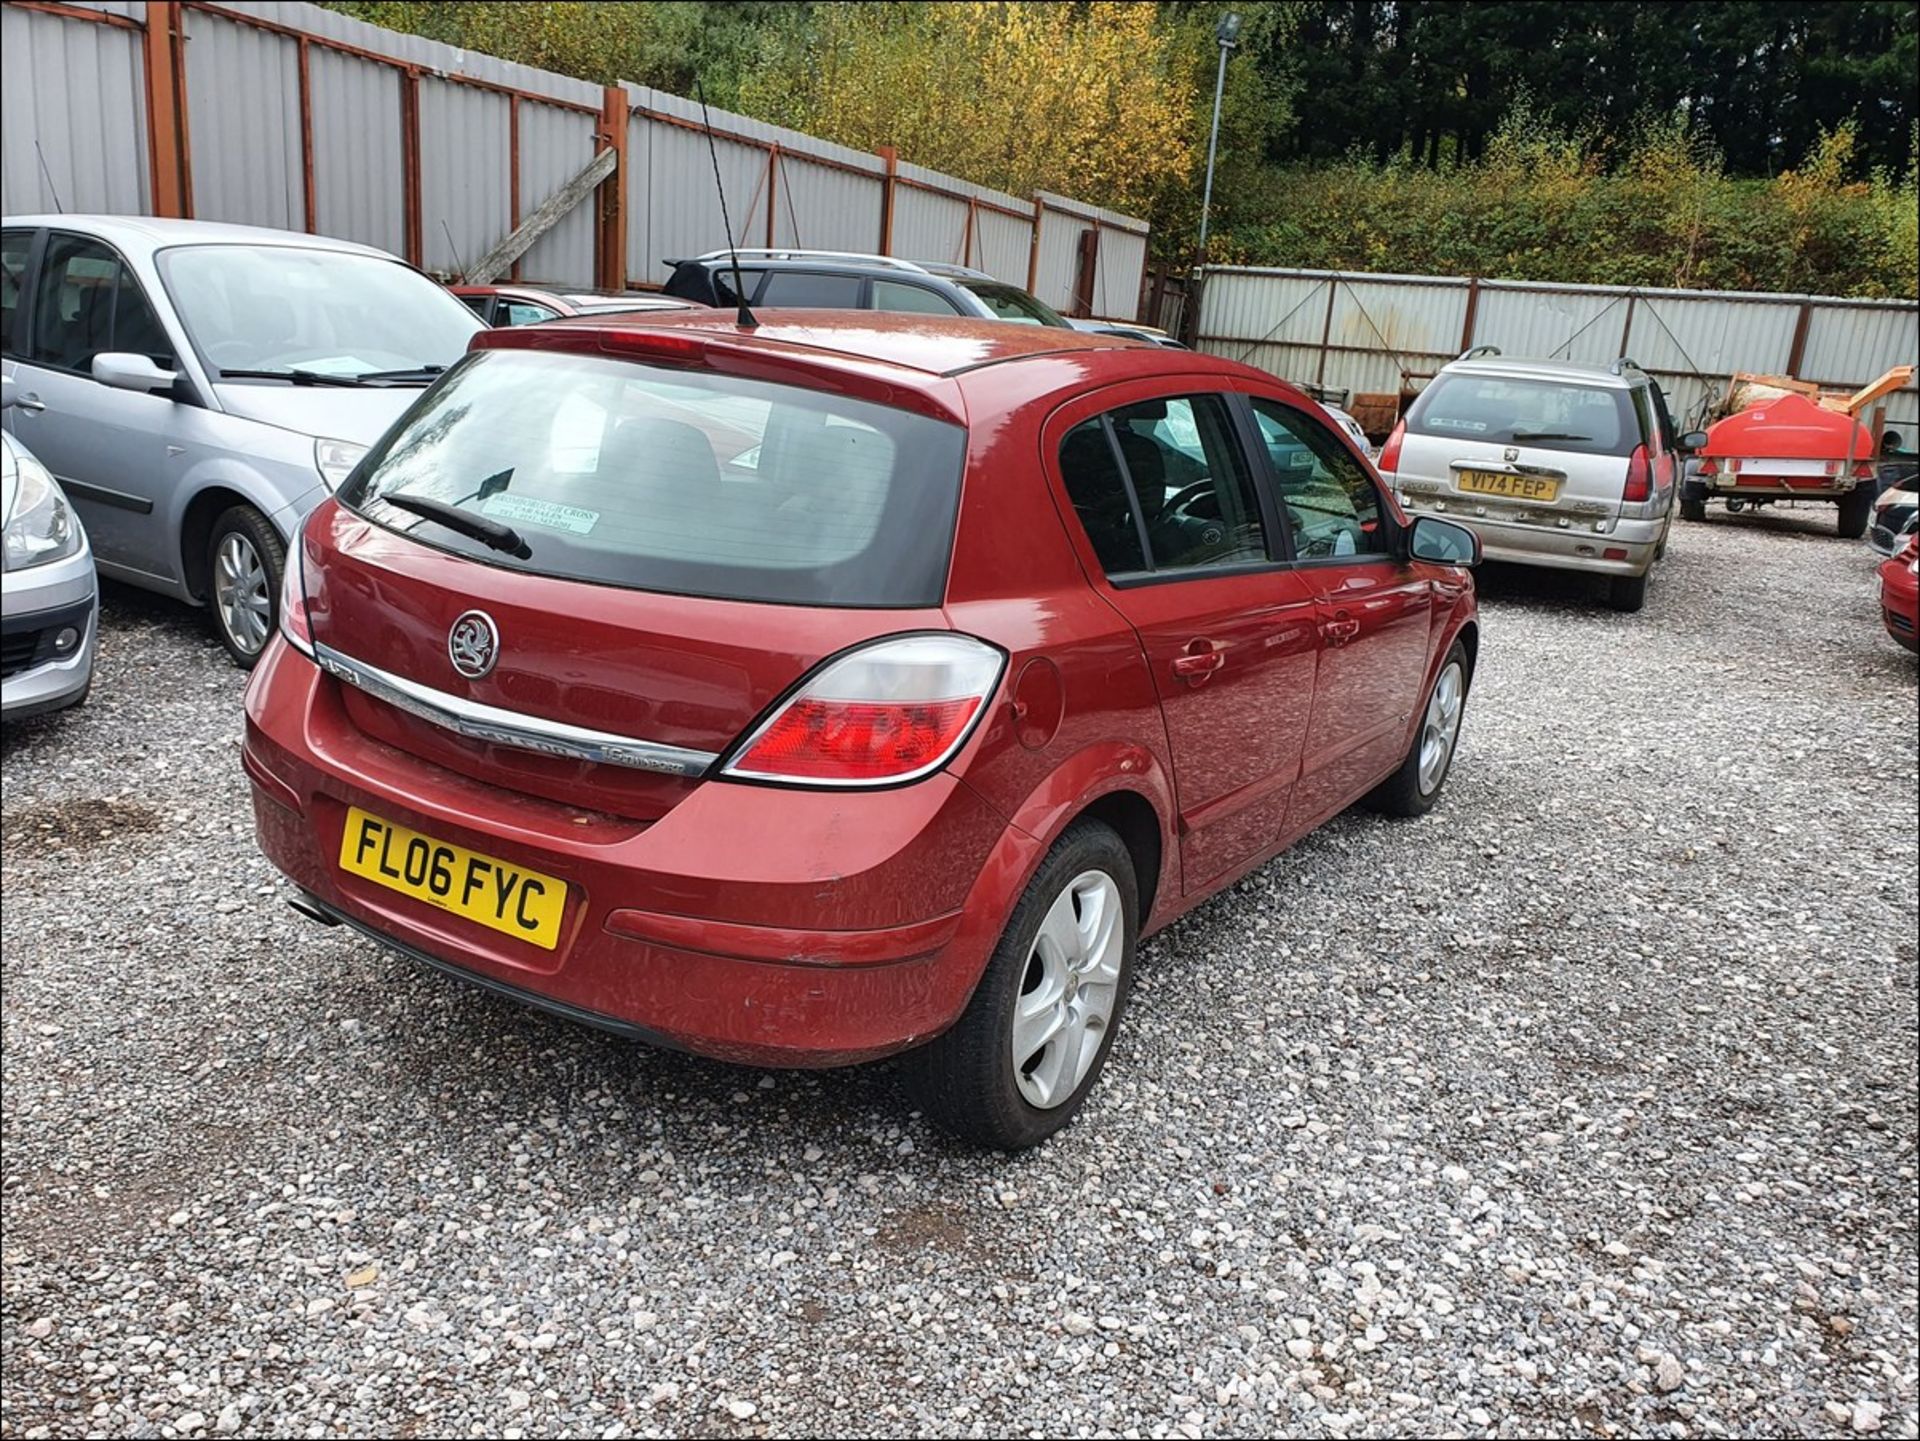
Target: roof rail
1624,363
788,253
1475,352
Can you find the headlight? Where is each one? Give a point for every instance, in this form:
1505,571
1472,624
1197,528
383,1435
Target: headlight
44,528
335,460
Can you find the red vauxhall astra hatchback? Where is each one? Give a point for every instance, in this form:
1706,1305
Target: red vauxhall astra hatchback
851,685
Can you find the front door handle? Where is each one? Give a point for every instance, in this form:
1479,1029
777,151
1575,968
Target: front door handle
31,402
1339,630
1200,661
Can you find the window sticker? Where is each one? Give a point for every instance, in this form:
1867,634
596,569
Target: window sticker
546,513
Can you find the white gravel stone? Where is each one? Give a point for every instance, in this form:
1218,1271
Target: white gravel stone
1613,1051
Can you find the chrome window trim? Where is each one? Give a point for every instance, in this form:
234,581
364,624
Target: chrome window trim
510,728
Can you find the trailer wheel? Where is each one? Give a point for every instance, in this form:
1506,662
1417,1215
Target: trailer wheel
1856,509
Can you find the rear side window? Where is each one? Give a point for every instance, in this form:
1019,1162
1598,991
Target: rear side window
1515,410
1164,486
677,480
817,292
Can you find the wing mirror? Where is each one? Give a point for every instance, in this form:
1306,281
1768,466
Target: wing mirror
1694,440
126,371
1443,542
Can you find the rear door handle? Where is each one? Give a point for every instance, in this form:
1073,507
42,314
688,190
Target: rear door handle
1340,630
1200,661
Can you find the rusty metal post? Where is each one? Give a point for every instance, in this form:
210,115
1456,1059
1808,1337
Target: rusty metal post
1033,250
513,175
1473,313
892,158
166,73
307,186
1326,331
610,228
410,165
1626,330
773,195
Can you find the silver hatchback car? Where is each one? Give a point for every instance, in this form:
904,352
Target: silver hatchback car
1572,467
197,388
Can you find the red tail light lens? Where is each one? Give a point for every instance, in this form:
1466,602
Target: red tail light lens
1390,452
889,712
1639,476
1709,467
293,597
1865,471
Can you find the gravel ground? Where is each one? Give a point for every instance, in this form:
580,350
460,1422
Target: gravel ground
1584,1106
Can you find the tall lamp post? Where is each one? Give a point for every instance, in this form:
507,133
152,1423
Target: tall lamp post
1227,32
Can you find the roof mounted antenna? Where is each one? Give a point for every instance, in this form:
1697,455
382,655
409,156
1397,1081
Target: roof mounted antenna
745,318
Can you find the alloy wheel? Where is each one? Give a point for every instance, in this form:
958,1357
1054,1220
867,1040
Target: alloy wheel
1069,990
240,592
1441,728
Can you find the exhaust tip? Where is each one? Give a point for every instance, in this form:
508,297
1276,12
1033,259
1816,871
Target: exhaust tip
311,908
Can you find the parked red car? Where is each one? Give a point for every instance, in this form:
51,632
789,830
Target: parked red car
513,304
1900,595
856,683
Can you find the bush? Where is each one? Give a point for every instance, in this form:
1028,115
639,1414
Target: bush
1655,211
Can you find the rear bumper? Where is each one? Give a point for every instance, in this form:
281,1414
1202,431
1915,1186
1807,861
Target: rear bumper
753,924
1545,544
1900,604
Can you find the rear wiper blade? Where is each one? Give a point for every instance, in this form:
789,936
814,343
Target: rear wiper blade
487,532
1548,435
421,373
298,377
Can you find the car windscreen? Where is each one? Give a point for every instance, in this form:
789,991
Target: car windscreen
284,308
1010,303
678,480
1520,410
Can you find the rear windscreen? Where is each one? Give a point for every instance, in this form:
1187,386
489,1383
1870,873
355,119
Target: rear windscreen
1505,410
675,480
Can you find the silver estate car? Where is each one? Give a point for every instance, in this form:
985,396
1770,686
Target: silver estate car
1572,467
197,388
49,601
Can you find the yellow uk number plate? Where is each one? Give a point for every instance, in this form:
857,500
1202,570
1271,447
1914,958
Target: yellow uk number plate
1513,487
509,898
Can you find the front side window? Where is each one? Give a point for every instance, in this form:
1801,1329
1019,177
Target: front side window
88,303
913,299
676,480
1163,485
524,312
282,308
1518,410
1009,303
1332,506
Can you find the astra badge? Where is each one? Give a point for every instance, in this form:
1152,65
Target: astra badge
473,645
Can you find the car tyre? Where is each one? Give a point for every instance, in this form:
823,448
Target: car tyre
1628,593
1414,789
1692,508
245,560
1856,509
1064,961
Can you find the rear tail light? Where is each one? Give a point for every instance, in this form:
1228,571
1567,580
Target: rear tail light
1390,452
1639,476
293,597
888,712
1708,467
1865,471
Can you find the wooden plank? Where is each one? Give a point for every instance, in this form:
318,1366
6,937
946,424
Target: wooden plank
551,212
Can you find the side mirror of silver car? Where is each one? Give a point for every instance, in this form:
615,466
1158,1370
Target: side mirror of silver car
126,371
1694,440
1443,542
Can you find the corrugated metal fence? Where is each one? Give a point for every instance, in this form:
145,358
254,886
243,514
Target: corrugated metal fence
288,115
1389,333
